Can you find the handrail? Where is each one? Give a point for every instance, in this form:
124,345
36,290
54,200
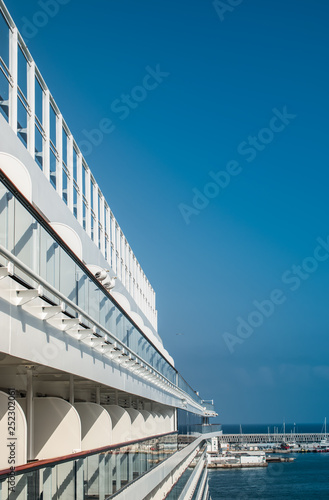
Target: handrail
11,24
39,216
37,464
33,210
35,277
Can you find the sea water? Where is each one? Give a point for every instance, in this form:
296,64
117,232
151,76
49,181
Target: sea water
305,478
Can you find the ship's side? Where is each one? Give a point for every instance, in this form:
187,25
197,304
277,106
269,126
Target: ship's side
91,404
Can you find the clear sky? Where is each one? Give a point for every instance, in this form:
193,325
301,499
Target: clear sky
193,89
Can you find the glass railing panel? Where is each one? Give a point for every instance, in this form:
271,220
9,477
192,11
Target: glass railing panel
29,240
209,406
13,52
64,481
98,475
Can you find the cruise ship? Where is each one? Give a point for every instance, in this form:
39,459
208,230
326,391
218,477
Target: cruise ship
91,404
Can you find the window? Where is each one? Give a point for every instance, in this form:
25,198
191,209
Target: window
64,147
4,65
65,184
22,106
52,126
75,165
52,168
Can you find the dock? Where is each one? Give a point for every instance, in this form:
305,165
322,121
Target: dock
300,438
273,460
235,466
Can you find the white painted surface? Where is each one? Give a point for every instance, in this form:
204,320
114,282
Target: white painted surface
17,173
57,428
124,302
159,422
121,423
69,236
150,428
137,424
96,426
41,343
168,420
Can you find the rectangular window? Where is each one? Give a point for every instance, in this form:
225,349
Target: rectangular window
84,212
75,202
105,218
21,120
38,146
22,71
106,248
75,165
52,125
64,187
4,93
91,195
4,40
52,166
38,101
84,173
92,226
4,67
64,146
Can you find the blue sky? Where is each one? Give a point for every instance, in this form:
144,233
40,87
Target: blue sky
223,79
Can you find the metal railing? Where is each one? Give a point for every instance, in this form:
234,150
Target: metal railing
97,473
125,355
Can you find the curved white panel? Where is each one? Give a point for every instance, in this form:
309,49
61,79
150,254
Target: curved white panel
96,426
123,301
137,319
17,173
159,419
168,416
121,423
69,236
56,429
137,424
150,423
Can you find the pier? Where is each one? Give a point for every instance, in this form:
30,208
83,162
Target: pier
311,437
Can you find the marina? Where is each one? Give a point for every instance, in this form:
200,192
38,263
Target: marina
270,438
91,403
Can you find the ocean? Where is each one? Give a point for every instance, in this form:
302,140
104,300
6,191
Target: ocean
305,478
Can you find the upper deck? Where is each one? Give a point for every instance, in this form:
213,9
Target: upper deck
31,111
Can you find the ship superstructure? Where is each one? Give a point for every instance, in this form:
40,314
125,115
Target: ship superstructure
91,403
